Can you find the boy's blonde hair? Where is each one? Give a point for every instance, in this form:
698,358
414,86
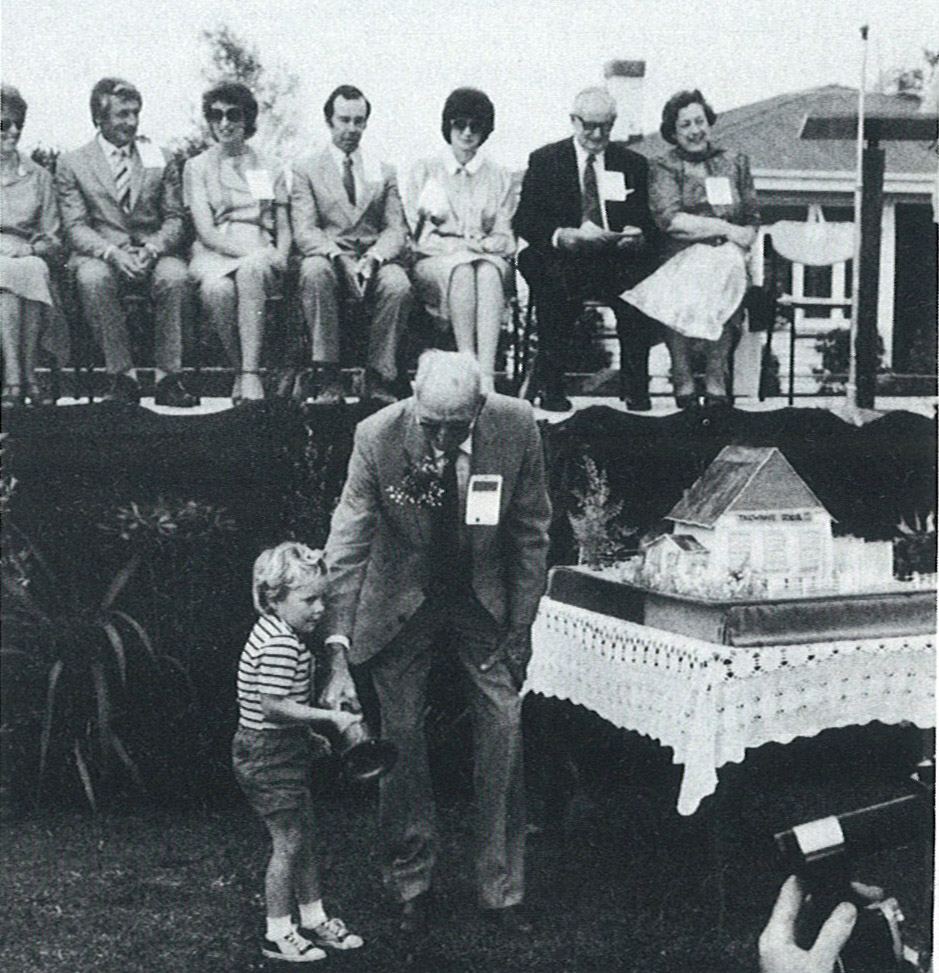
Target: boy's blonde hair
283,567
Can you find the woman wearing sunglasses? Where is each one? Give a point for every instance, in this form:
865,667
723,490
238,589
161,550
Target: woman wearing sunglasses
459,206
30,235
242,231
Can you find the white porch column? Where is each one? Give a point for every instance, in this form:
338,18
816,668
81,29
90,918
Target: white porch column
887,281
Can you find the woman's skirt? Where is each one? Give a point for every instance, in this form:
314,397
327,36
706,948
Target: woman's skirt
695,292
432,277
208,265
28,277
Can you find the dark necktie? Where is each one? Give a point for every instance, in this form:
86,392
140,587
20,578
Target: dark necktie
122,179
591,193
348,180
451,565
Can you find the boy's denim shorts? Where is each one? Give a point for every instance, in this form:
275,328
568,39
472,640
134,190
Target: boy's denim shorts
272,768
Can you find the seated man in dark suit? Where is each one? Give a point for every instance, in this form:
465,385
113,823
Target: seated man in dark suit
122,210
584,211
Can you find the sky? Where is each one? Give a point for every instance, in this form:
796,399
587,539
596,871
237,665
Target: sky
530,56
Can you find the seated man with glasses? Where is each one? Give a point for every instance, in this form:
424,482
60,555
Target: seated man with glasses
584,212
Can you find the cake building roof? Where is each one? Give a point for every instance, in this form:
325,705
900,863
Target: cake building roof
741,479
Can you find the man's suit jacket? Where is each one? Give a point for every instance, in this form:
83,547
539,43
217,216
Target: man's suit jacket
325,223
92,214
551,197
379,550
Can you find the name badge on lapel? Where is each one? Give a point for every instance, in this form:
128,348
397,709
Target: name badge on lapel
613,186
260,184
718,191
483,498
150,155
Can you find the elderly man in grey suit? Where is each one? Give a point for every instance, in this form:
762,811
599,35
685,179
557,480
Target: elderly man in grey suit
348,224
442,529
122,210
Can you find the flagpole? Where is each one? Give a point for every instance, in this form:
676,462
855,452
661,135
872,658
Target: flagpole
856,268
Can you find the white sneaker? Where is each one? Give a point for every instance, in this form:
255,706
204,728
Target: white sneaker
333,934
292,948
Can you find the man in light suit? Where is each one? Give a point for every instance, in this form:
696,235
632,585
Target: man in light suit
405,566
348,224
122,210
584,212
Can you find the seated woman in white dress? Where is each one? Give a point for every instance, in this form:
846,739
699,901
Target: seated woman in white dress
459,206
242,231
30,239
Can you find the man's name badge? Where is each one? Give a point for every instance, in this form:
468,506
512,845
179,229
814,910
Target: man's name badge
613,186
718,191
483,498
150,155
260,184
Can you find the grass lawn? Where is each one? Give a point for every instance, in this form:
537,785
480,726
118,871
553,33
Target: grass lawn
626,885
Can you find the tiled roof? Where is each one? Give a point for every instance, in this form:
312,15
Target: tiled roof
768,132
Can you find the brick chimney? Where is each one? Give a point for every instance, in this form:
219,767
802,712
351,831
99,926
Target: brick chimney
625,80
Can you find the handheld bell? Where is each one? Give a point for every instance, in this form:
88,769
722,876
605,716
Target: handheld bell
363,757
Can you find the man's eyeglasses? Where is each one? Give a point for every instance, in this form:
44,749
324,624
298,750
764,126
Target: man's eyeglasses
603,127
233,115
434,427
474,125
7,123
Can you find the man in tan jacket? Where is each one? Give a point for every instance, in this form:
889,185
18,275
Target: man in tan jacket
122,211
442,528
348,224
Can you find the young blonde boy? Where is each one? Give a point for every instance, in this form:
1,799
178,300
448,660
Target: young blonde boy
272,749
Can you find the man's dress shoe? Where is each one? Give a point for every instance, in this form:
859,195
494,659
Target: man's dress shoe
170,392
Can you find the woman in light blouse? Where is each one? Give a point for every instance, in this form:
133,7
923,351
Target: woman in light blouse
699,193
242,231
30,235
459,206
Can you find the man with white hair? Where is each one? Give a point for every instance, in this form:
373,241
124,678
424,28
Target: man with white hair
442,528
584,212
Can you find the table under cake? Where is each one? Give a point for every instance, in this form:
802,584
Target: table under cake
763,672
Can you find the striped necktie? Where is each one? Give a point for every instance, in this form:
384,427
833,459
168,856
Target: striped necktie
592,209
122,178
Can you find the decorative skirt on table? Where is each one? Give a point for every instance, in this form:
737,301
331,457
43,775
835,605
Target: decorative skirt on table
696,292
28,277
432,276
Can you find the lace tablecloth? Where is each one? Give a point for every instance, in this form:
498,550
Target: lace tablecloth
710,702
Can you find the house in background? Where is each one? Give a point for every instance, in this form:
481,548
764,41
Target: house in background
794,176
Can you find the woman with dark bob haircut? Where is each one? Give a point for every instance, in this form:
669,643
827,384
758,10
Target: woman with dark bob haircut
702,198
242,231
459,205
30,239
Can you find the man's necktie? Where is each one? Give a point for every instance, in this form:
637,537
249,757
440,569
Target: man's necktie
122,178
451,565
592,210
348,180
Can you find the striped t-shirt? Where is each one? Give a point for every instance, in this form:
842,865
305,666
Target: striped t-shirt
274,662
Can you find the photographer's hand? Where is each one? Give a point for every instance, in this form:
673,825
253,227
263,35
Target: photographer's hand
778,950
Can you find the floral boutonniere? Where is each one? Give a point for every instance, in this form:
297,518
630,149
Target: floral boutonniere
421,485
